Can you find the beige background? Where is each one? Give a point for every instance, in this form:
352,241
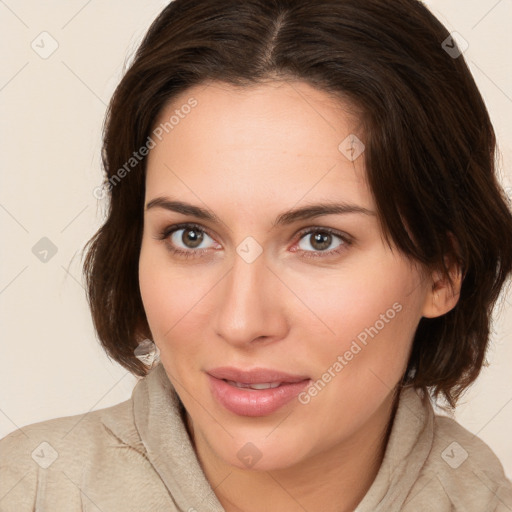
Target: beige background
51,115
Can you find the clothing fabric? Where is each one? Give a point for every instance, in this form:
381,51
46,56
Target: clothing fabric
137,456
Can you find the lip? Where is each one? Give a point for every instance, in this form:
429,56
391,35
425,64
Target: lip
255,375
250,402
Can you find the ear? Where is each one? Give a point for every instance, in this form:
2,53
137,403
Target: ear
443,296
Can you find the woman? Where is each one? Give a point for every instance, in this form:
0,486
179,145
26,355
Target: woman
304,244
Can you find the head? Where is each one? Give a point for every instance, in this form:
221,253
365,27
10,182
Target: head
333,103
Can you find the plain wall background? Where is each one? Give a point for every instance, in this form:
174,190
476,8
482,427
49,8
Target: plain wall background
52,112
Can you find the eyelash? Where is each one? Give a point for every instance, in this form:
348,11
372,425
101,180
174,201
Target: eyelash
347,241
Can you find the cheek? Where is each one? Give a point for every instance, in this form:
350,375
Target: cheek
173,298
159,295
374,321
368,317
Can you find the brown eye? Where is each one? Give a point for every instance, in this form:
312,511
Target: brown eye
186,239
192,237
320,240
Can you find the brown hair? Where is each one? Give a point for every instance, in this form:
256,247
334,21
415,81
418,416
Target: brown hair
430,152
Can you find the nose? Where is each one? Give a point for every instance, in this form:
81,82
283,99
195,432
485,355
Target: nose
251,308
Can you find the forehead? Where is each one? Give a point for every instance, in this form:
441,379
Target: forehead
270,140
262,112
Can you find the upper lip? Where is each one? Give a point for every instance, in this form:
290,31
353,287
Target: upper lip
254,375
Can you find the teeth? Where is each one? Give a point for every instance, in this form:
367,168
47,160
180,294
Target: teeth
264,385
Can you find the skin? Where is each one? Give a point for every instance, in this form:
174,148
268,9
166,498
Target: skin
249,155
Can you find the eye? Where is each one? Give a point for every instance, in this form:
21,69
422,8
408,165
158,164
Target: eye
185,239
191,237
189,240
323,238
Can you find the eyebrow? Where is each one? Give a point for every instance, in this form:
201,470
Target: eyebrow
288,217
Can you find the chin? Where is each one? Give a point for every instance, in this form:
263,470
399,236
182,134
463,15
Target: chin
267,461
261,454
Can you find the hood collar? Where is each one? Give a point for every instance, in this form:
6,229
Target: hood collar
156,409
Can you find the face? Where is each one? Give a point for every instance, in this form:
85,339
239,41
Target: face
314,312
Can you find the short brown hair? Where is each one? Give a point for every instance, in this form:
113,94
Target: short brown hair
430,152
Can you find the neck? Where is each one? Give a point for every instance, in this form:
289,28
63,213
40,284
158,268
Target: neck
332,481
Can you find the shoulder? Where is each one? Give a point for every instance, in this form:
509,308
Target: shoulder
464,469
68,434
56,452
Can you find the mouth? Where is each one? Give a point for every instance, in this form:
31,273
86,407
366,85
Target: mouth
255,376
256,392
262,385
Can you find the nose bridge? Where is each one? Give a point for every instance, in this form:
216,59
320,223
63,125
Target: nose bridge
247,308
246,283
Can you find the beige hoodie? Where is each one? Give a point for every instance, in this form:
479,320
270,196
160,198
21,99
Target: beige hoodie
137,456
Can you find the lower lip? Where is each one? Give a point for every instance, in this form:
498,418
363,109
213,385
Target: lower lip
252,402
